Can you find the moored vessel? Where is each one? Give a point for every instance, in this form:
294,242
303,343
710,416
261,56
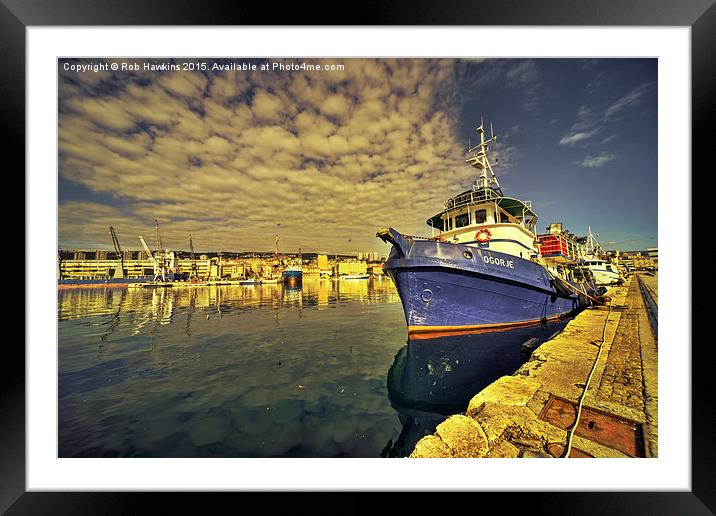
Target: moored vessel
483,270
293,274
354,276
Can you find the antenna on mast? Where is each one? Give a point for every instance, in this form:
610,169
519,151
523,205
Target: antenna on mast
477,157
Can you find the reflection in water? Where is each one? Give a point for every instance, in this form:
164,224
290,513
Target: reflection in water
158,305
261,371
431,379
227,371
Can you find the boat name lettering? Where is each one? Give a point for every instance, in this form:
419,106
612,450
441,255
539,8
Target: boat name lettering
498,261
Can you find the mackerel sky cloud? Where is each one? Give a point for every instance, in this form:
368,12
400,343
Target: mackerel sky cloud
334,155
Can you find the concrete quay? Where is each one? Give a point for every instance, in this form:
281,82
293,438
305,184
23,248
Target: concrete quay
532,412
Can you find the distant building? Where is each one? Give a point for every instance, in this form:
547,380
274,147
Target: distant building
322,261
654,255
351,267
376,270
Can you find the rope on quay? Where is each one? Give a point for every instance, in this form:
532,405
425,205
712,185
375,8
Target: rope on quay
570,435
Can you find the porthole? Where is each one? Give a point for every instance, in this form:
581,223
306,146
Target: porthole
467,255
426,295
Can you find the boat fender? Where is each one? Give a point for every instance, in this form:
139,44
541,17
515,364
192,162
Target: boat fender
483,236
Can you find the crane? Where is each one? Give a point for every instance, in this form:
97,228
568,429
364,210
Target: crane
193,274
158,269
158,236
118,271
160,247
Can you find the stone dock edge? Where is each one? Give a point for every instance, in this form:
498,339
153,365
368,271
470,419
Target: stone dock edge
523,415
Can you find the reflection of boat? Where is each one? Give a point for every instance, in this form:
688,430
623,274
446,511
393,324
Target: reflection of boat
102,282
483,271
153,284
431,379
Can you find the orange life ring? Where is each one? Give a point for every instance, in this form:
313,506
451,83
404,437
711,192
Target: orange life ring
483,236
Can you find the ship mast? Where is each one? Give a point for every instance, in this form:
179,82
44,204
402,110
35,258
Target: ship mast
477,157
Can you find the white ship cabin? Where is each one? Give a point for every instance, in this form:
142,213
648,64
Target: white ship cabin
509,222
483,216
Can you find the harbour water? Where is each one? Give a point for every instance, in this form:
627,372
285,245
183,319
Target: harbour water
247,371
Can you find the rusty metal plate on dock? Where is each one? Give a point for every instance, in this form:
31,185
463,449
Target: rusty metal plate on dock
557,450
611,431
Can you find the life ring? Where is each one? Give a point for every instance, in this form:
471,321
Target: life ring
483,236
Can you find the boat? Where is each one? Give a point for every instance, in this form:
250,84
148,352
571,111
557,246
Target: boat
483,270
270,280
250,281
563,253
293,274
101,282
604,272
434,378
354,276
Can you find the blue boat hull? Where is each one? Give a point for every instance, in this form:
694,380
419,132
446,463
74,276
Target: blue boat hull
448,288
292,276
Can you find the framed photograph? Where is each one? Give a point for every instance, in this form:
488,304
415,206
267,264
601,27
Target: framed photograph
219,216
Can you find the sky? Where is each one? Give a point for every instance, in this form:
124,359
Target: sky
325,158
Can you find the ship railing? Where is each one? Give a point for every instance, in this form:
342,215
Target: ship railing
471,198
424,238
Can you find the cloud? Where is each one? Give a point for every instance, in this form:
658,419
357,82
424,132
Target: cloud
597,161
628,100
592,121
226,156
573,137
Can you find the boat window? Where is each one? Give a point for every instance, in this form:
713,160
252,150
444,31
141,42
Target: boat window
480,216
447,223
504,218
462,220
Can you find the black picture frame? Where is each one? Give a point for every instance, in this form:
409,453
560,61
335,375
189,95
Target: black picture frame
17,15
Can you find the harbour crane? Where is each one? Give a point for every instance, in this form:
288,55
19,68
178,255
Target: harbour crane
119,270
160,248
158,236
158,269
193,275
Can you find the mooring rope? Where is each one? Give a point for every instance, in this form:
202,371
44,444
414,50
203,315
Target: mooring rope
575,289
570,434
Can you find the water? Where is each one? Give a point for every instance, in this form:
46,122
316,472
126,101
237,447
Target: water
229,371
432,379
257,371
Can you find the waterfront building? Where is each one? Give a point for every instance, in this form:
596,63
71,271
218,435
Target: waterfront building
351,267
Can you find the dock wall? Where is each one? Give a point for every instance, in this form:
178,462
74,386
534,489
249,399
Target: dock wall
530,413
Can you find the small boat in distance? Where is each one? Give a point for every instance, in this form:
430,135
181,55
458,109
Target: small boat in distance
483,271
354,276
293,274
605,273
